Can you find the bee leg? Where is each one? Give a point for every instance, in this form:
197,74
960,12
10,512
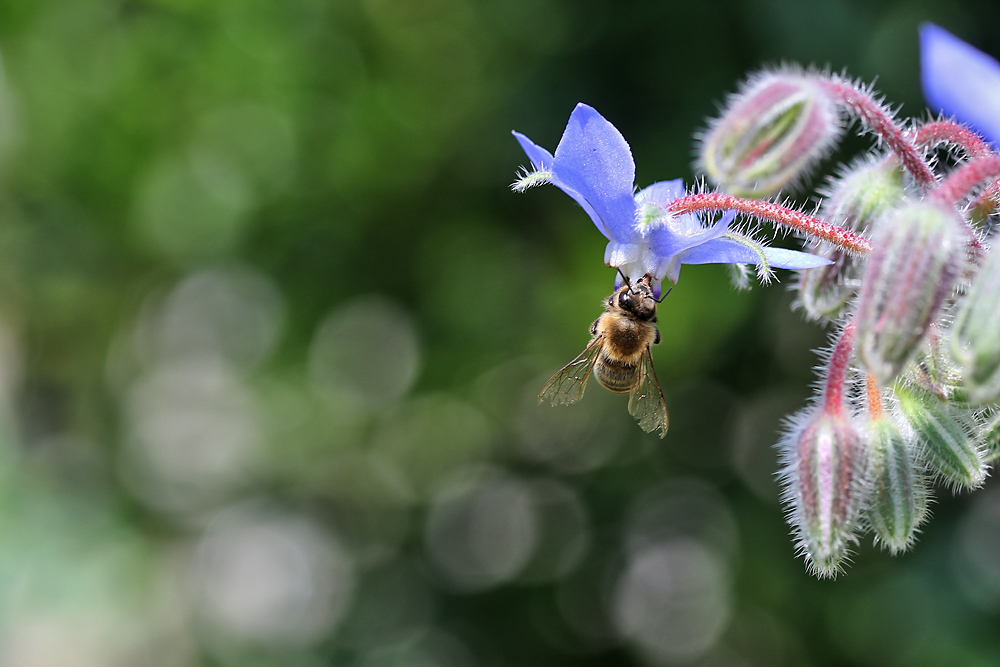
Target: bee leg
657,339
593,327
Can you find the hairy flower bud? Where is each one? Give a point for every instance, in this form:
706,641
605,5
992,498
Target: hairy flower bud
898,500
770,134
823,480
917,253
949,437
860,196
991,438
975,334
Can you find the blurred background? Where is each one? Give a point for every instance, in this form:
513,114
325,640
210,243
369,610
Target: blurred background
272,326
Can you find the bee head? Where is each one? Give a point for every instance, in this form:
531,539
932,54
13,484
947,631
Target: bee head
637,298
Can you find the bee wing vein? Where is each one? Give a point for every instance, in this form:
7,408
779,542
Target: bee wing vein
568,384
646,402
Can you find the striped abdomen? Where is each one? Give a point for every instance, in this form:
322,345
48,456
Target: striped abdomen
616,375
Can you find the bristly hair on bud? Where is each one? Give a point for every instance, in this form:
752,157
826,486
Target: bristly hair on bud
859,196
948,435
990,432
975,333
899,493
823,471
918,251
770,133
822,475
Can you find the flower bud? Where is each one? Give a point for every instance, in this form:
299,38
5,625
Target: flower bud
949,438
975,334
855,200
823,480
917,252
991,438
770,134
898,500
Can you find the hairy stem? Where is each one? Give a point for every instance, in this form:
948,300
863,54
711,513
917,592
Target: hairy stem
807,224
859,103
937,132
961,182
949,132
836,372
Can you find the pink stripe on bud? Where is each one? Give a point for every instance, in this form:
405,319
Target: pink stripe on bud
917,253
824,486
770,134
824,470
859,197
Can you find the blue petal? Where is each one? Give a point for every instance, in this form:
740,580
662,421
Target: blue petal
540,158
960,80
664,192
675,235
727,251
593,164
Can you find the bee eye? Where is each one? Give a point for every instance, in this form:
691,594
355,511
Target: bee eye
623,300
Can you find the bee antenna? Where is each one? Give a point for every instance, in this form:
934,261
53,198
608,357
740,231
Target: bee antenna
625,278
664,295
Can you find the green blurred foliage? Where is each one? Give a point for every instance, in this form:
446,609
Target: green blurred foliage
272,326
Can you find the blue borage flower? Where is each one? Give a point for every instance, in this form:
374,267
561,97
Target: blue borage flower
960,81
593,165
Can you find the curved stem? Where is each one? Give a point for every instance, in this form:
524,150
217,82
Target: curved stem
807,224
862,105
966,178
946,131
974,146
836,372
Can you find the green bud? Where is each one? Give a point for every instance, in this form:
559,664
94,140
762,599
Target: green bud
917,252
975,334
855,200
770,134
991,438
948,436
899,493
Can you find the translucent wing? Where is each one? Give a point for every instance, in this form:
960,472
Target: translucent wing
567,385
646,402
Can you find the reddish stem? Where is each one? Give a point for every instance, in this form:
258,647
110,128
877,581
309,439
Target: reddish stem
836,372
862,105
946,131
963,180
718,201
950,132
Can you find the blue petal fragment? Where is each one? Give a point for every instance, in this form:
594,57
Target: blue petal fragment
780,258
960,80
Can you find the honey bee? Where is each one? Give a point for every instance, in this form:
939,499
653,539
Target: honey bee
619,356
